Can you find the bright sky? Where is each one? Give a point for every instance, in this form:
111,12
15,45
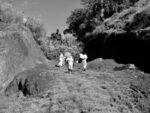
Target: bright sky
53,13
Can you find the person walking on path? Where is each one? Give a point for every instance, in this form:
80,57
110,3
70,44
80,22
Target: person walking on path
102,14
84,57
61,60
70,62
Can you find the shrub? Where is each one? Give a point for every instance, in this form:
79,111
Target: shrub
37,29
9,15
67,44
9,18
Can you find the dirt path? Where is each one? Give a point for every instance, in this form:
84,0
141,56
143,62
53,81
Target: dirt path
79,92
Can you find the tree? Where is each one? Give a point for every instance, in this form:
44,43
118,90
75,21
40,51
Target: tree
83,21
110,6
56,35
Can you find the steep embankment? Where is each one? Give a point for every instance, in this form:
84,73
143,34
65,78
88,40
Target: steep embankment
123,37
18,52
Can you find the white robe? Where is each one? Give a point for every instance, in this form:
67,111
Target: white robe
84,62
61,60
70,62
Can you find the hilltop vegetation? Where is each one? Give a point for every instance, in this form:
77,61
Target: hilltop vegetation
84,20
9,16
119,16
56,43
121,34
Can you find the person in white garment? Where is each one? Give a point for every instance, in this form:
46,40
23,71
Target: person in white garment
70,62
61,60
102,14
84,57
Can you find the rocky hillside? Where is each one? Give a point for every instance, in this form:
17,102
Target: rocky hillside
116,29
123,37
18,52
18,48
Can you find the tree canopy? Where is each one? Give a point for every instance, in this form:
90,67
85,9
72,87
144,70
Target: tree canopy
83,21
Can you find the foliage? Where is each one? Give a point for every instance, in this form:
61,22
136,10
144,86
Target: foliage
56,36
131,19
9,15
116,23
142,3
37,29
66,43
77,17
52,45
110,6
83,21
80,22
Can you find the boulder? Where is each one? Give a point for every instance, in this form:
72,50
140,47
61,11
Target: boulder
32,82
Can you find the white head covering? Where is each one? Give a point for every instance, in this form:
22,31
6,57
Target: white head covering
67,54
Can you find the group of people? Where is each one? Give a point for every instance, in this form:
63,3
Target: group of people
67,58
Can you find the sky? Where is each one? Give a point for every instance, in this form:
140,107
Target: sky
53,13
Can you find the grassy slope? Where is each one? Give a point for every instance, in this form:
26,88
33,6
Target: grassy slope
104,87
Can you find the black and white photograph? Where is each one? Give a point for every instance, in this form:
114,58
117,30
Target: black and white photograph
74,56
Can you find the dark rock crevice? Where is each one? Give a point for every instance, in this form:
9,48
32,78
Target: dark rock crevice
30,82
24,88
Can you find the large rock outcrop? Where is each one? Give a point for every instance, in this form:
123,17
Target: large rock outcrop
18,52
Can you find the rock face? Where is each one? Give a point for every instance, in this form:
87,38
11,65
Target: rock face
18,52
31,82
